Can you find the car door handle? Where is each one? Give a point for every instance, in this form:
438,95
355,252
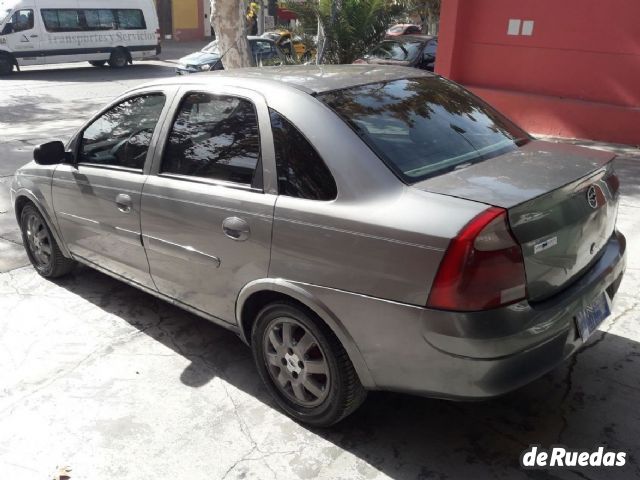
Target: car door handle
236,229
34,36
123,202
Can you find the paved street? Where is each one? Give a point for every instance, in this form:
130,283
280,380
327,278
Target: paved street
117,384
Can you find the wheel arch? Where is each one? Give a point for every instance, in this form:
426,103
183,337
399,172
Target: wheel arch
255,295
23,198
126,51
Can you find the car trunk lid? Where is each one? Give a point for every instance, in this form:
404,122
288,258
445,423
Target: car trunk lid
561,200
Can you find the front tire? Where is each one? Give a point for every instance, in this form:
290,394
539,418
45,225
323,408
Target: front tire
6,65
119,58
304,366
41,247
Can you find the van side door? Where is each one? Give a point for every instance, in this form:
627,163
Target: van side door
207,207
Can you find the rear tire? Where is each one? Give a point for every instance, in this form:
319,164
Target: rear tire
6,65
304,366
119,58
41,246
98,63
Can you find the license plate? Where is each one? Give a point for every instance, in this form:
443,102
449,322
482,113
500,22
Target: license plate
592,316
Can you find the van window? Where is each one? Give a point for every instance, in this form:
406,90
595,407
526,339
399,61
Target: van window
61,20
131,20
101,19
72,20
22,20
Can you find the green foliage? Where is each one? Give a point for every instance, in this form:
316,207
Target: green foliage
351,27
428,10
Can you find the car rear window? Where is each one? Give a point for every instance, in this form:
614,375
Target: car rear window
422,127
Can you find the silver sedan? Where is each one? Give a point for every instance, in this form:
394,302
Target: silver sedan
360,227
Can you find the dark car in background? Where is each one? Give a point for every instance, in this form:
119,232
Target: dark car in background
264,50
417,51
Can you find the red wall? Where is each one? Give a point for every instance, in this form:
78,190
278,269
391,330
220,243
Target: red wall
577,75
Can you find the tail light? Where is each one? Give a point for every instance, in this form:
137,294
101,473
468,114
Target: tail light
483,267
158,36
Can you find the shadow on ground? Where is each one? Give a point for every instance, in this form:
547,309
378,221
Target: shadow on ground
590,400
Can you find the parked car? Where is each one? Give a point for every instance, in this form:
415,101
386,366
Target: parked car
288,43
360,227
264,50
408,51
39,32
404,29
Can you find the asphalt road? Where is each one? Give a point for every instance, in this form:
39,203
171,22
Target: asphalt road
117,384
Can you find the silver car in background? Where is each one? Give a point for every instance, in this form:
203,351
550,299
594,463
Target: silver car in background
360,227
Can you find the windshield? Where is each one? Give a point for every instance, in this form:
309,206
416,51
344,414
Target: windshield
4,14
421,127
391,50
396,29
212,48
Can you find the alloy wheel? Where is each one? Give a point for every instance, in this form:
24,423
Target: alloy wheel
38,240
296,362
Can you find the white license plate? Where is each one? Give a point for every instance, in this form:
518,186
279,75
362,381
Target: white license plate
592,316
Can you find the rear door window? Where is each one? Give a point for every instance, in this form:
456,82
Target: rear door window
215,137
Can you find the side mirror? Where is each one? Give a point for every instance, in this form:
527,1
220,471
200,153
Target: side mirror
51,153
8,28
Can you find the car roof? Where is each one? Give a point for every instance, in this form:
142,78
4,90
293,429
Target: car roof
312,79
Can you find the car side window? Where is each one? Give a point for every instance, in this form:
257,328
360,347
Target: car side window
121,136
301,171
22,20
216,137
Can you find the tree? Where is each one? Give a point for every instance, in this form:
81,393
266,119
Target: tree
429,12
229,23
351,27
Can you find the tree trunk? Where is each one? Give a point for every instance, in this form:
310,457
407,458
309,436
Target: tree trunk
228,18
321,43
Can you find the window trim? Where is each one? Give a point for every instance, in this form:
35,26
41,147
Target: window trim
80,135
181,97
210,181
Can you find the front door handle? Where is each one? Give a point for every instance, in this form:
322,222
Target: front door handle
236,229
34,36
123,202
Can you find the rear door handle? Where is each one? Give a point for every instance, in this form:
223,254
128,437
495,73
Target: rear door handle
236,228
123,202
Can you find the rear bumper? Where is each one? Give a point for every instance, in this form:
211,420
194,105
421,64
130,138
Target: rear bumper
471,355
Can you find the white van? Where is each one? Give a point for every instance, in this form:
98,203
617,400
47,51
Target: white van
39,32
